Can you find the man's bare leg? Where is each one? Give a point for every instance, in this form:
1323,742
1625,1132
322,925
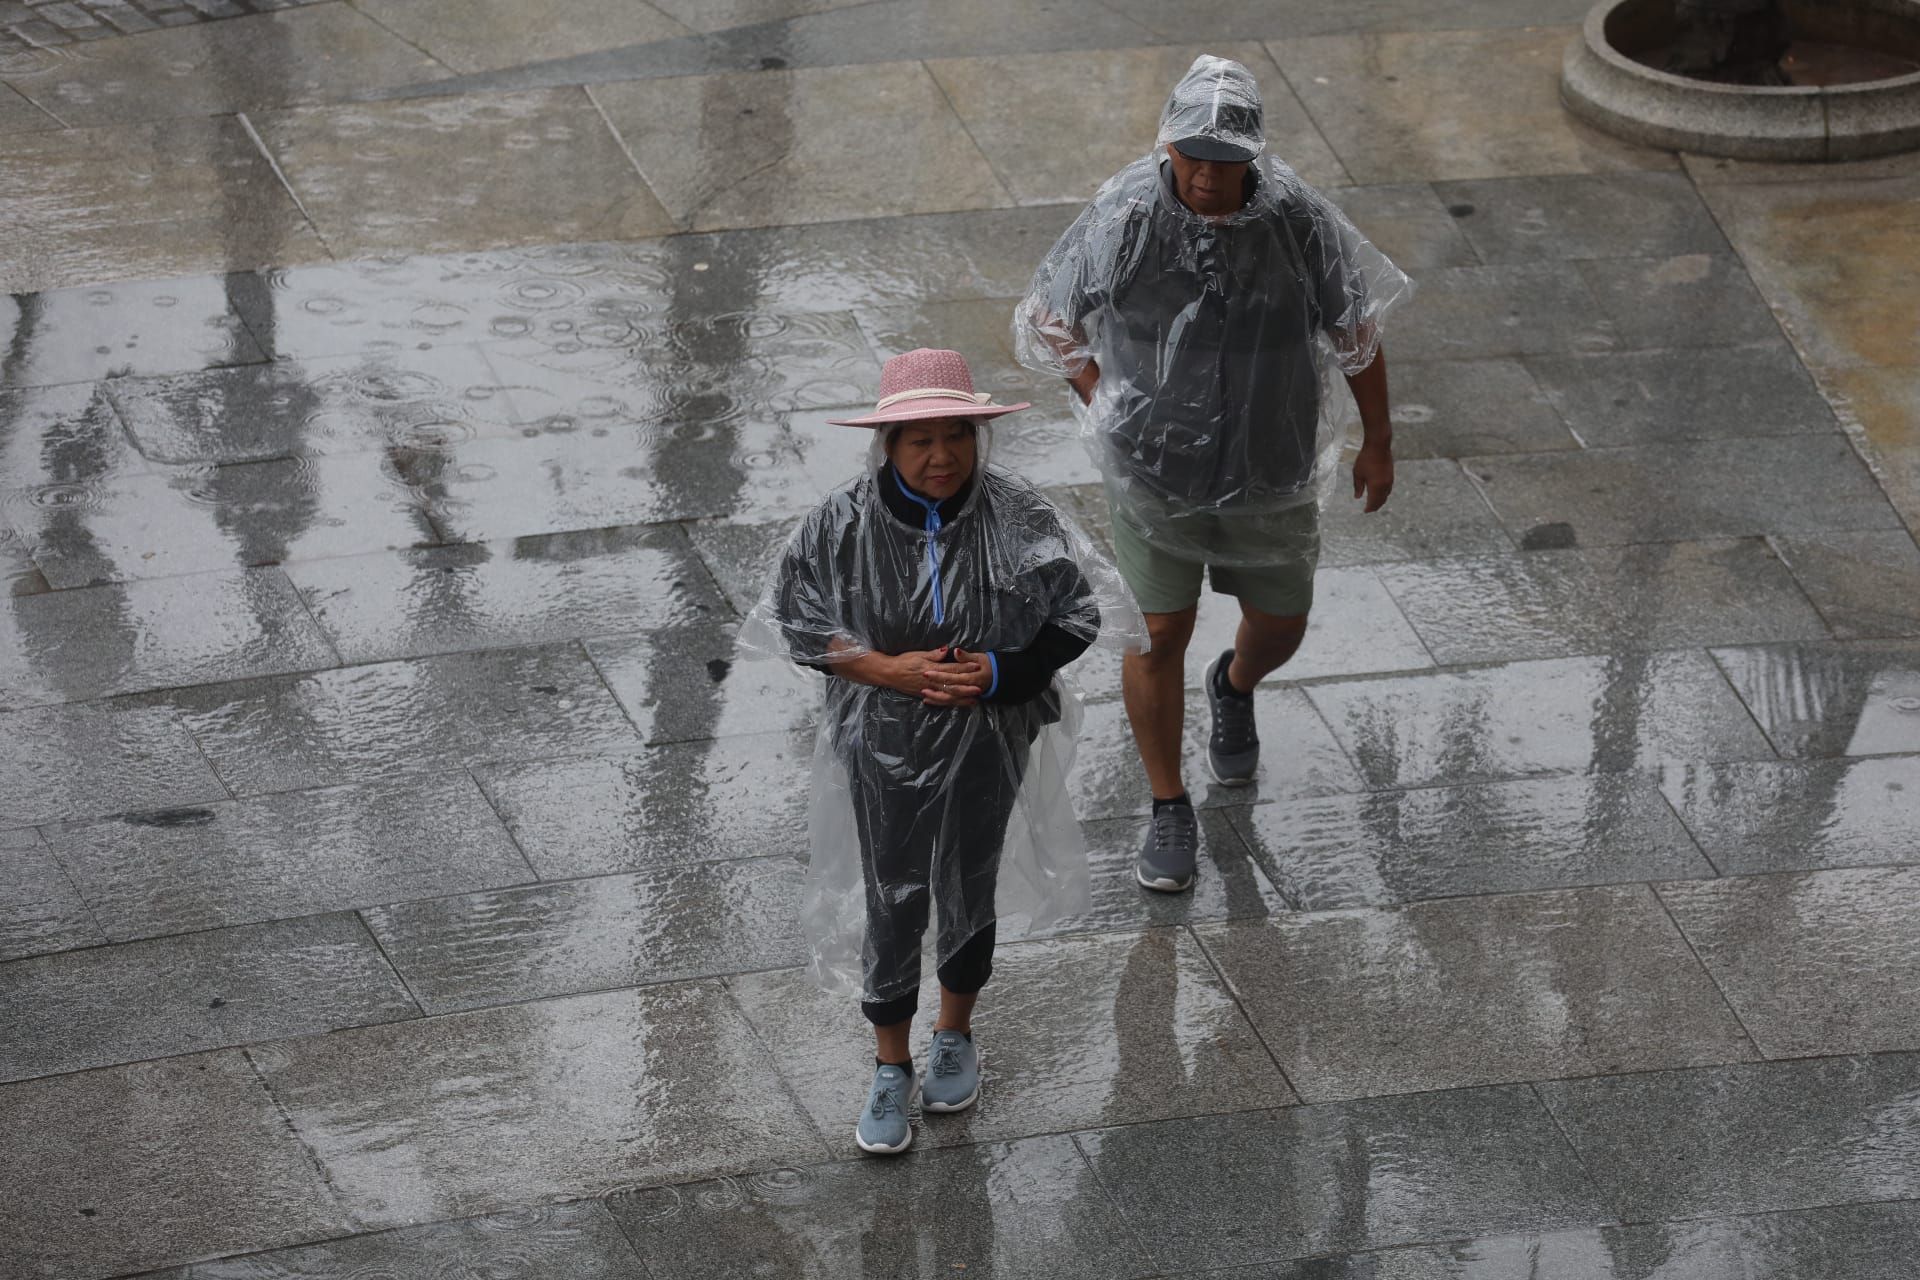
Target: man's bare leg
1153,684
1263,644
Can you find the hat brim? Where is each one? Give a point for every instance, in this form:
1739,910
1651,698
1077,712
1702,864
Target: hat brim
1215,149
916,410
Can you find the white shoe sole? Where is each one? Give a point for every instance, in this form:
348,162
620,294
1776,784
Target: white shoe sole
1227,782
1163,884
964,1103
881,1148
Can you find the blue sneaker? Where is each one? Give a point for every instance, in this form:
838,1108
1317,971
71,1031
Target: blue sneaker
884,1129
952,1081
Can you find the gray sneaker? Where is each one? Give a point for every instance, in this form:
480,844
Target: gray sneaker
952,1081
1233,749
884,1128
1167,856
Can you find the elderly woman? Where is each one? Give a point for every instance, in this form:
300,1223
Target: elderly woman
940,598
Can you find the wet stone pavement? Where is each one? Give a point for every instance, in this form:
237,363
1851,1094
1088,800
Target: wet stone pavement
399,400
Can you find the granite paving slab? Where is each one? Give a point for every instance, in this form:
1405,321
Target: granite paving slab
697,683
1073,1032
810,145
62,444
1816,963
1407,222
310,53
153,1163
461,172
1542,604
487,35
1660,492
919,29
19,576
237,862
722,15
482,1112
1016,1211
1235,18
1747,1138
1657,397
1852,699
1609,714
1269,1186
1400,106
1459,408
1389,847
1469,991
1434,511
1690,300
525,591
1800,815
145,200
509,945
1880,409
737,797
1866,585
740,558
128,327
19,114
69,646
359,724
1018,109
1228,884
1639,215
40,910
1509,309
66,762
107,1005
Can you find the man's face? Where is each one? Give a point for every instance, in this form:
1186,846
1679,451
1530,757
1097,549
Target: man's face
1208,187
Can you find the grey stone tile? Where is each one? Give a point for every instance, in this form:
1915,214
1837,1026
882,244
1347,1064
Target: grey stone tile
1850,699
685,685
131,327
1512,309
738,797
237,862
1657,397
1800,815
40,910
1595,715
1468,991
590,935
64,444
19,576
1866,584
468,172
1227,1190
584,1094
723,15
1390,847
578,1240
486,35
919,29
1108,782
1408,223
1458,408
1015,1211
1543,604
530,590
1640,215
810,145
103,757
1223,18
739,557
1229,886
67,646
1073,1032
686,55
1747,1138
195,991
1816,963
1689,300
1668,492
20,115
1434,511
153,1163
358,724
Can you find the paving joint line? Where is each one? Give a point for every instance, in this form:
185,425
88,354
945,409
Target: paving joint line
260,144
1240,1004
1653,887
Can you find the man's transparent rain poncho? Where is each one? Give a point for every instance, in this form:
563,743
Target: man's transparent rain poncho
930,786
1216,338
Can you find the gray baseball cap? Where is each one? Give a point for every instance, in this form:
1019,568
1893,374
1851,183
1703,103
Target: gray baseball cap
1214,113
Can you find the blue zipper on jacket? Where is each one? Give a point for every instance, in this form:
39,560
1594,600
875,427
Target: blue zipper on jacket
933,546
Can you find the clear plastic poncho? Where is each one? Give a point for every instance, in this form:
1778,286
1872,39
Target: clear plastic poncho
952,816
1216,338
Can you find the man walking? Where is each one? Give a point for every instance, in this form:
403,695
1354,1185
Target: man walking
1200,307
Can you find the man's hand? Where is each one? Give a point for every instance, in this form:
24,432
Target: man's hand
1373,475
1085,381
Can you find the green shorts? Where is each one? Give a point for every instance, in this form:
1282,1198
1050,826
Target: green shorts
1270,560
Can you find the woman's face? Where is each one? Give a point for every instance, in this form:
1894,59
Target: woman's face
934,457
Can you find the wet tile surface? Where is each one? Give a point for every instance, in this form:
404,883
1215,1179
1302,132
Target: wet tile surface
78,761
582,1095
1459,408
153,1163
1865,584
1228,1190
483,35
1434,511
112,330
590,935
696,683
907,29
227,863
1020,1210
1690,300
1622,215
1802,815
40,910
197,991
1746,1138
1860,699
1510,309
1408,223
1442,995
1402,846
1600,715
1658,397
1074,1033
1228,884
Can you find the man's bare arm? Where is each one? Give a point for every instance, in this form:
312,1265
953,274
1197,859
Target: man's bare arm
1373,469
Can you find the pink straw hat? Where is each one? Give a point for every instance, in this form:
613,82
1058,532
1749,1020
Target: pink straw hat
927,384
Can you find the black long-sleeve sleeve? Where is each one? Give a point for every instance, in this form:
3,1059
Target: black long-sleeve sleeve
1025,673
